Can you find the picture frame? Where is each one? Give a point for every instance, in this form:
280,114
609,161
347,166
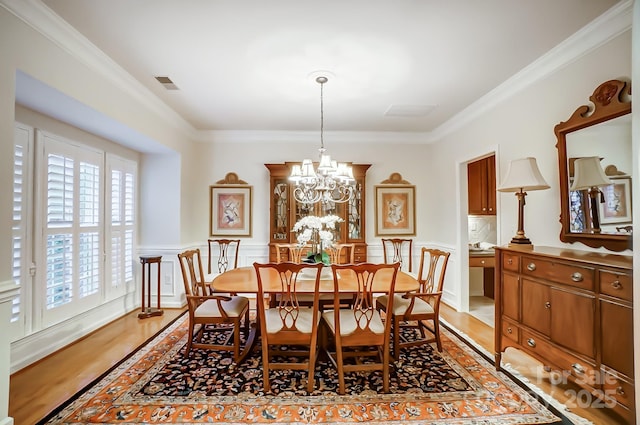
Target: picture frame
230,209
395,210
616,207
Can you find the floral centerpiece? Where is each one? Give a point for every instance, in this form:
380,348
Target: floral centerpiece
318,231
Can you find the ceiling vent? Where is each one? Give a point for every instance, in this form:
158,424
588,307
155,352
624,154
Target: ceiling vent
409,110
167,83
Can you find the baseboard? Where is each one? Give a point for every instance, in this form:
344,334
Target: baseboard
6,421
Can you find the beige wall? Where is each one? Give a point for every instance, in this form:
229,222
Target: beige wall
523,126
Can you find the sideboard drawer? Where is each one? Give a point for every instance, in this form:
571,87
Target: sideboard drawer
583,372
618,389
616,284
510,330
511,262
567,274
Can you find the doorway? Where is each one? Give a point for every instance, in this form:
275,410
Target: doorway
482,236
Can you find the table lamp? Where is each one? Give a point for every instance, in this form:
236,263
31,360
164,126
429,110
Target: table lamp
589,175
522,175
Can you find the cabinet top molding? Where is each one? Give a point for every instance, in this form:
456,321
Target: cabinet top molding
395,178
231,178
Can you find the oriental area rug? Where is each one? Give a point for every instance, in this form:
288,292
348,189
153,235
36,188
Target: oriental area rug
160,384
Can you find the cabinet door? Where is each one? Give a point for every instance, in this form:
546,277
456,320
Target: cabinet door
491,185
536,306
280,194
355,223
476,176
616,321
572,321
510,296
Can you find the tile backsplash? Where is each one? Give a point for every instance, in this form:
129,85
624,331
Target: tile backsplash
482,228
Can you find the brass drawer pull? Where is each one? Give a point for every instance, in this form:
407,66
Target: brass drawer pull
578,369
577,277
510,261
620,391
509,330
547,305
531,267
616,284
531,342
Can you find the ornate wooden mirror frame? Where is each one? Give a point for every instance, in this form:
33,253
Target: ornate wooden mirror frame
610,99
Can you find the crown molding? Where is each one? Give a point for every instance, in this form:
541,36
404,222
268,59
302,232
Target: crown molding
38,16
306,137
604,28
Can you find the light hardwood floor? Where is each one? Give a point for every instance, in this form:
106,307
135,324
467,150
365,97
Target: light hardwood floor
38,389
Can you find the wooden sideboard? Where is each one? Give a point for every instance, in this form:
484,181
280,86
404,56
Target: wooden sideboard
573,311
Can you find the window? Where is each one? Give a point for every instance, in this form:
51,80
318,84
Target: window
82,239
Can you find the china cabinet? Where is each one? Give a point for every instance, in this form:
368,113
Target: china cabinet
285,211
573,311
481,177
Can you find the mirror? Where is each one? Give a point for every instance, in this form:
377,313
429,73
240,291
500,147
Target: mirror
598,217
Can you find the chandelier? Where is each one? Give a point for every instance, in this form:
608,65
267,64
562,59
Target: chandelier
331,181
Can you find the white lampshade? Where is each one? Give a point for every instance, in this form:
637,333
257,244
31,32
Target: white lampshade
588,173
523,174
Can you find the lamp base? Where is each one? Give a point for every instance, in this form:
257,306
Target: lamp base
520,241
520,246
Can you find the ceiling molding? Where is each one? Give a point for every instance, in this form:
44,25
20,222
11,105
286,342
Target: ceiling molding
308,137
612,23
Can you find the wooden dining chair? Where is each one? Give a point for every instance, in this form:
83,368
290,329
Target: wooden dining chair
214,310
335,253
289,323
359,331
398,250
415,309
227,255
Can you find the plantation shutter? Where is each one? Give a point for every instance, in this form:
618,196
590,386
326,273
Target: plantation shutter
21,254
120,225
73,228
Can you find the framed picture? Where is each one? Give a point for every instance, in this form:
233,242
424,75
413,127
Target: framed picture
616,207
395,210
230,210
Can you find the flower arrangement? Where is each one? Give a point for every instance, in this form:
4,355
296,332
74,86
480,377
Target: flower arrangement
319,232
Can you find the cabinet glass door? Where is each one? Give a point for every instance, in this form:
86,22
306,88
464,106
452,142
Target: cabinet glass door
280,215
354,219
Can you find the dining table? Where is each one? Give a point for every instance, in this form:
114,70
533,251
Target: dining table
243,280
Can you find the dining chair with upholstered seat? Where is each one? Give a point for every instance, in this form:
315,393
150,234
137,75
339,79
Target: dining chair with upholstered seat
415,309
289,324
296,253
208,312
223,256
227,255
359,331
398,250
335,253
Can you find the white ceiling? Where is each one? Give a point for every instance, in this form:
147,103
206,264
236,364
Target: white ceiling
249,64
